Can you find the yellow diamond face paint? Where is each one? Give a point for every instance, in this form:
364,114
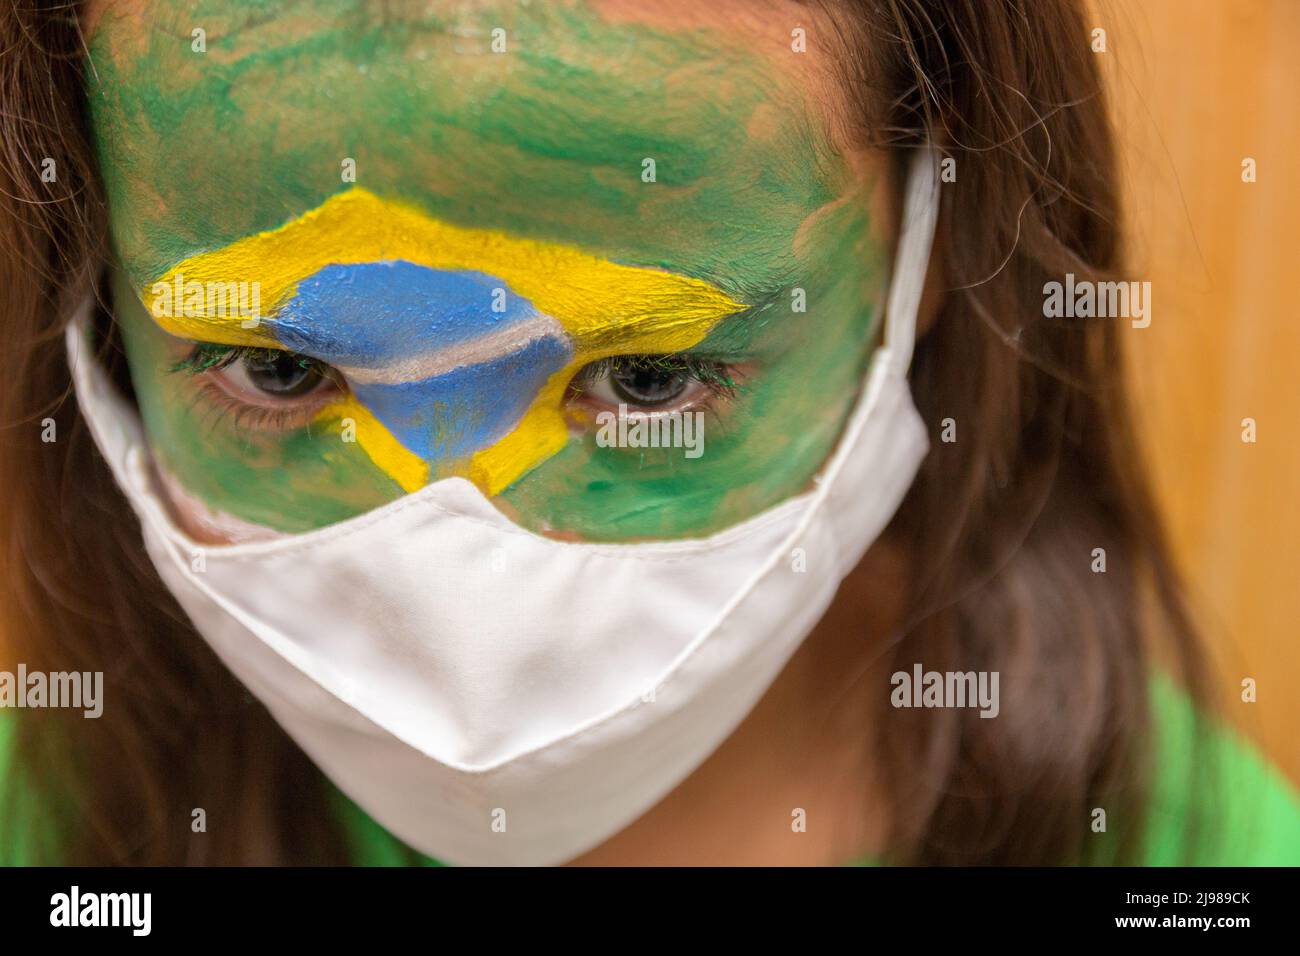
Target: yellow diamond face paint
457,344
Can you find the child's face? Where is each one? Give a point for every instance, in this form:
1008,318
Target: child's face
463,257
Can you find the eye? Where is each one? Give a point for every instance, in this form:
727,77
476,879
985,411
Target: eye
264,389
641,381
653,382
282,375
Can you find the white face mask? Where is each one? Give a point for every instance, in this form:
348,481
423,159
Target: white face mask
492,696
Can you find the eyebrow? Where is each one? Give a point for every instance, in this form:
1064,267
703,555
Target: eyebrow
598,302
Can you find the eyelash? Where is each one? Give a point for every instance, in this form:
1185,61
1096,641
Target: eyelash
207,356
253,417
213,357
720,380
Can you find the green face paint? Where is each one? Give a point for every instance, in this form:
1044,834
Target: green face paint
233,466
690,151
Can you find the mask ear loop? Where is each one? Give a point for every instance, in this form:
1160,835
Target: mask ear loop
912,260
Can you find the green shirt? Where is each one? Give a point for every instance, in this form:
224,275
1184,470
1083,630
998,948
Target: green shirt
1251,817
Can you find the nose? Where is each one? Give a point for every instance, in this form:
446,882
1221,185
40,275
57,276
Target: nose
447,360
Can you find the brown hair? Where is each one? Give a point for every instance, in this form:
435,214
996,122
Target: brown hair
999,528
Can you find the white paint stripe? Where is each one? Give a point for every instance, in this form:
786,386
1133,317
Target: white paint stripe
419,368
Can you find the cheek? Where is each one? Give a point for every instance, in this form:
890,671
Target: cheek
235,478
760,449
764,447
202,521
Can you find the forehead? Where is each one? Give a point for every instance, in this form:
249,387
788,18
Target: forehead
679,143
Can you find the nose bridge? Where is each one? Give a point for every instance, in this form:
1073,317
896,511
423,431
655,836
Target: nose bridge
447,360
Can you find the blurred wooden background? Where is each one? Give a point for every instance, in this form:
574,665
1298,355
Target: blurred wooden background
1197,86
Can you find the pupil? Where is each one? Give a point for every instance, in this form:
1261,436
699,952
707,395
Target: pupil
645,383
284,374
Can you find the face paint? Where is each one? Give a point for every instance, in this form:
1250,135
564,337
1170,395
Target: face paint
522,173
458,343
